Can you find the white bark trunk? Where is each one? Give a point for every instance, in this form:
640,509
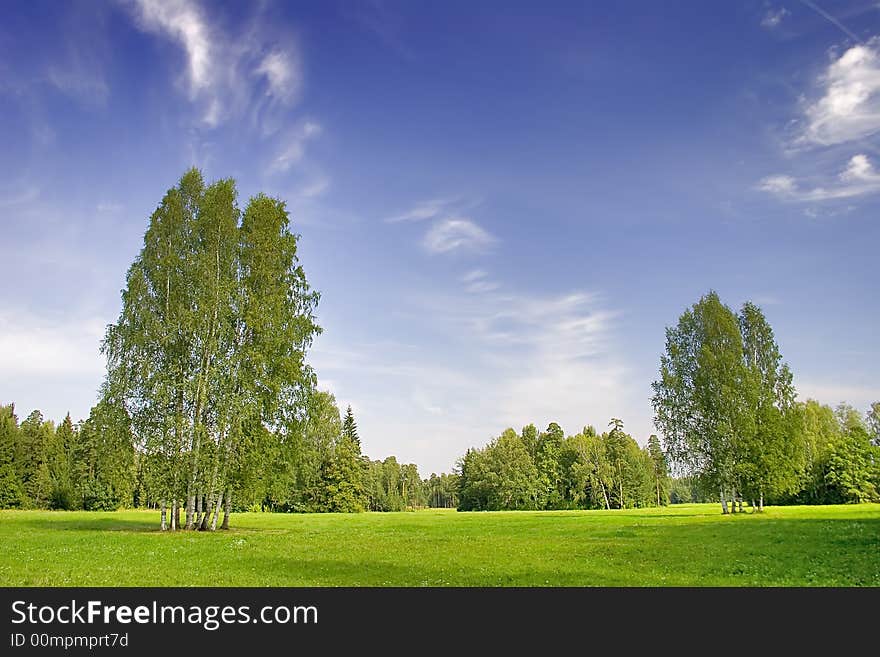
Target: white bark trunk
227,509
605,495
216,511
724,503
164,518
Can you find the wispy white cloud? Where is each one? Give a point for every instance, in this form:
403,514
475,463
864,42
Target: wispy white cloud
859,178
780,185
109,207
479,287
496,360
18,196
774,17
282,73
185,23
849,107
314,188
223,69
766,300
295,146
85,83
421,211
474,275
818,211
457,234
476,282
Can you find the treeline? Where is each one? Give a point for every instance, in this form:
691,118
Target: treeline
834,460
87,465
95,465
729,414
832,457
548,470
733,431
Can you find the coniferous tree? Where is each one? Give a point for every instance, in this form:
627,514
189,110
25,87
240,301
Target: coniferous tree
11,493
59,457
342,477
349,427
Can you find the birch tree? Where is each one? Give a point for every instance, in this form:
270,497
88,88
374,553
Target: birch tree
207,358
701,400
770,462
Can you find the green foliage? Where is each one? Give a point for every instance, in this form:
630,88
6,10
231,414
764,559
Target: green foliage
71,467
342,476
504,476
767,459
659,470
11,491
207,357
852,469
349,427
550,493
873,420
392,486
704,398
441,492
582,471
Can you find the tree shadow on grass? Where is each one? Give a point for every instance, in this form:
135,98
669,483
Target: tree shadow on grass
106,523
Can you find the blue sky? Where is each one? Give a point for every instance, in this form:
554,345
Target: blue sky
502,204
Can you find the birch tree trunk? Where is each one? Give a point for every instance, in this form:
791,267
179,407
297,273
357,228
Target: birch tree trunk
227,509
210,504
198,507
216,511
605,495
164,520
724,509
761,502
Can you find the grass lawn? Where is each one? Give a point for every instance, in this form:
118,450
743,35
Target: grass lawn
692,545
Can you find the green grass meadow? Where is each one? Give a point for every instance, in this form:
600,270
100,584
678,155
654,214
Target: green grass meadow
691,545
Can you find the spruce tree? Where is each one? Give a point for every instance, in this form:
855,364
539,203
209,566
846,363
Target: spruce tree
349,427
11,494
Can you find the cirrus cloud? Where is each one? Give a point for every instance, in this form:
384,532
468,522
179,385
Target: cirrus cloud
773,18
457,234
224,71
